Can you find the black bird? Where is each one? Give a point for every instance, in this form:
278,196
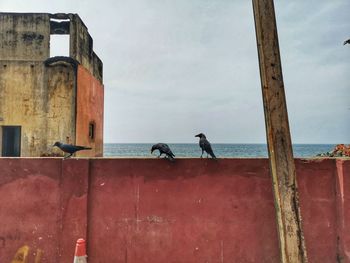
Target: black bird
205,145
163,149
346,42
69,148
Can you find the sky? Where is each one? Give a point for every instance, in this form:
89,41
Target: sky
173,69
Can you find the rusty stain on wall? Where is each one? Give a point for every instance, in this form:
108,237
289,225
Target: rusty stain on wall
22,255
39,93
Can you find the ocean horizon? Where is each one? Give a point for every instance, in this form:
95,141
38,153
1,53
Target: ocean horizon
220,149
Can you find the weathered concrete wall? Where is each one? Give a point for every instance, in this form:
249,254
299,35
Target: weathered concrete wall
22,97
40,99
90,94
81,47
39,93
97,67
61,101
24,36
149,210
24,45
80,42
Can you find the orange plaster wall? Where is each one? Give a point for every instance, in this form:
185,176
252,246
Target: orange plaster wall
90,95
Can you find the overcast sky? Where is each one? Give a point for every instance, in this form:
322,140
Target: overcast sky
176,68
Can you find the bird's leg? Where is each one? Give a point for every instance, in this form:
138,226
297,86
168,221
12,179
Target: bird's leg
170,158
69,155
202,153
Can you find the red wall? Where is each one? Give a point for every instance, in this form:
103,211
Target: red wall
89,109
43,205
151,210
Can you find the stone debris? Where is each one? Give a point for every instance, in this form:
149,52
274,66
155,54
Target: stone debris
340,150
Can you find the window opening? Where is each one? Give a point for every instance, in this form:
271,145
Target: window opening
59,38
91,130
11,141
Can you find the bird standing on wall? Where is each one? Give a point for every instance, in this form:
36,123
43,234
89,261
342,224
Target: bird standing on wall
346,42
163,149
69,148
205,145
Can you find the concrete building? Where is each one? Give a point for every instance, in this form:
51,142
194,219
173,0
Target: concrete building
45,99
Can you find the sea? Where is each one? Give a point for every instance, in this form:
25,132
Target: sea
220,150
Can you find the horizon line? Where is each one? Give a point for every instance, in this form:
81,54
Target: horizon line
263,143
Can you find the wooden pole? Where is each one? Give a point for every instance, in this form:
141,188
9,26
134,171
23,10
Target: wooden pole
282,167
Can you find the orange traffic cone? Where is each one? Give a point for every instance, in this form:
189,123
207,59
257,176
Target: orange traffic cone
80,251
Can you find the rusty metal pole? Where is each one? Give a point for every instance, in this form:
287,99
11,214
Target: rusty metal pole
282,167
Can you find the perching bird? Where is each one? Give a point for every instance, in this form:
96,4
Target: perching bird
69,148
163,149
346,42
205,145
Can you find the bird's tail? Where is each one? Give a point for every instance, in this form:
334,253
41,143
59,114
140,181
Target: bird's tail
84,148
79,148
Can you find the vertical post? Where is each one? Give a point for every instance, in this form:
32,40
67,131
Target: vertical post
290,234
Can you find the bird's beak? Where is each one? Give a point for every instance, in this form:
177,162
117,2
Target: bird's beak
196,135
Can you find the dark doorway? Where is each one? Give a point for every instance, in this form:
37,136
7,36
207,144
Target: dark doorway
11,141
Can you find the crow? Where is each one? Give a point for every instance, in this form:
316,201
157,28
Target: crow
163,149
346,42
205,145
69,148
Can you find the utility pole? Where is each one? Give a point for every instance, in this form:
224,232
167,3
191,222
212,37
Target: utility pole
282,167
